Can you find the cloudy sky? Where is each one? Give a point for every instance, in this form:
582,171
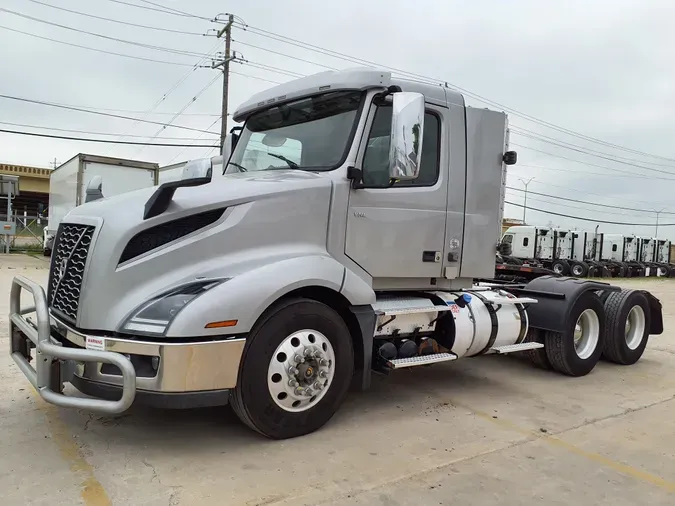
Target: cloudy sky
602,69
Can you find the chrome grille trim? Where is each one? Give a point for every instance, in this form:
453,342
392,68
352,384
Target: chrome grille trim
69,258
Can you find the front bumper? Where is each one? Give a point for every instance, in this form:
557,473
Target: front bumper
186,373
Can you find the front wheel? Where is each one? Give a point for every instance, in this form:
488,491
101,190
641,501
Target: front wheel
560,268
296,369
576,351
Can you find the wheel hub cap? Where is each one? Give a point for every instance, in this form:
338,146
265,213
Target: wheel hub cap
301,370
635,327
586,333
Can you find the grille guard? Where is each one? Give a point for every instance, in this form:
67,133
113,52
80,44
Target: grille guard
47,376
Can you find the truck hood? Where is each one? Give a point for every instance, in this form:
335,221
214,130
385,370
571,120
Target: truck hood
267,217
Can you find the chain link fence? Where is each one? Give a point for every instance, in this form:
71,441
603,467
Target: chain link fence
28,235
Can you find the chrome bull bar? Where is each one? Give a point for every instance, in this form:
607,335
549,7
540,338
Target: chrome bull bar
53,360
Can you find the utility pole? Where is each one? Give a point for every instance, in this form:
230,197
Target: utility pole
225,62
525,183
54,164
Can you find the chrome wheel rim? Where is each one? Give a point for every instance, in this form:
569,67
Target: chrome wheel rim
586,334
635,327
558,268
577,270
301,370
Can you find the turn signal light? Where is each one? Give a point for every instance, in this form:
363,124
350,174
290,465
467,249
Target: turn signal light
220,325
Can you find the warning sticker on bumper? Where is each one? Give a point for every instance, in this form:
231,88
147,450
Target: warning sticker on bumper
95,343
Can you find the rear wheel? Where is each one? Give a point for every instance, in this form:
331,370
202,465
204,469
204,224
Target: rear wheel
537,356
561,268
663,270
576,350
627,328
579,269
296,369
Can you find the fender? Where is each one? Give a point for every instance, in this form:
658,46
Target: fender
246,296
556,297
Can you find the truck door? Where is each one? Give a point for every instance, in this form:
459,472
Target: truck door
545,240
399,230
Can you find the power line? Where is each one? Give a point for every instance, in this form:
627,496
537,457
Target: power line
592,220
545,138
270,68
163,9
596,155
183,150
97,50
254,77
584,201
115,39
515,112
566,205
117,20
585,173
237,41
40,102
106,141
594,164
190,102
167,8
56,129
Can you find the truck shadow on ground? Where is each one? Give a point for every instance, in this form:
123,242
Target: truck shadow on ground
402,395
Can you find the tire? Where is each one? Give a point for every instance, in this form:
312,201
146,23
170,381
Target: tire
560,346
537,357
560,268
664,271
579,269
623,271
252,399
618,347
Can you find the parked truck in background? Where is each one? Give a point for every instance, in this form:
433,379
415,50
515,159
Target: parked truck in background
68,183
361,241
587,254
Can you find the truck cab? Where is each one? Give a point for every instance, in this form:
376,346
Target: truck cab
348,231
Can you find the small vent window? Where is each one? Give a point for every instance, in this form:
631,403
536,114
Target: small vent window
157,236
526,241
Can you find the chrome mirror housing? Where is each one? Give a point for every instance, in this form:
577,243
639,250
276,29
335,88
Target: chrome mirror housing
407,129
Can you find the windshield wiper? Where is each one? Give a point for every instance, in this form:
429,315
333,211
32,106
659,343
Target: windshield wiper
290,162
240,167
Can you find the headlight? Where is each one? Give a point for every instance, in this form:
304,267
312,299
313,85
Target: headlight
155,316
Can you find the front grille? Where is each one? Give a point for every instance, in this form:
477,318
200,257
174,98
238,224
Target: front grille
69,257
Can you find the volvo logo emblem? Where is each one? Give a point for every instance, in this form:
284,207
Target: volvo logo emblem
61,269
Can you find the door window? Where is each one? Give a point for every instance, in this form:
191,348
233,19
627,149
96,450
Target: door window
508,239
526,241
376,159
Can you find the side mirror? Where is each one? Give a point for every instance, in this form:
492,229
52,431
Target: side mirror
93,191
407,132
197,169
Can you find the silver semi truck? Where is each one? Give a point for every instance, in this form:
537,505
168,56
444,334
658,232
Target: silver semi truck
352,230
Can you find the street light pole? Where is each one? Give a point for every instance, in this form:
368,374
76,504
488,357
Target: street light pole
656,232
525,183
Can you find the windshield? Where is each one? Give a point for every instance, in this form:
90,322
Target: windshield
311,134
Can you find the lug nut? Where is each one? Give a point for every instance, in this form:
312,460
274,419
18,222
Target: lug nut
309,392
309,352
293,371
299,391
318,386
323,374
298,358
324,363
293,383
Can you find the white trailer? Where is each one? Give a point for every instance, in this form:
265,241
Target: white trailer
69,181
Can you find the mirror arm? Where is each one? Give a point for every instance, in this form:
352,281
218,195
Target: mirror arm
379,98
356,176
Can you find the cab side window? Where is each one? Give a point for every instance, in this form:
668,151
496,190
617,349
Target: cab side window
376,159
508,239
526,241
